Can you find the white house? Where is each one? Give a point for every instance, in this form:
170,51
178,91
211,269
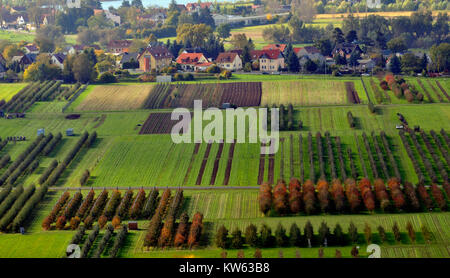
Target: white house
373,4
58,60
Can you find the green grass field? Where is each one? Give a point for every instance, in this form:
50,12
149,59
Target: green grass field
7,91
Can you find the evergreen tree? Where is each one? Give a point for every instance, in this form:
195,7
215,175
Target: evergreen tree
294,235
293,63
246,57
324,233
251,236
353,232
309,233
266,236
280,236
395,65
338,235
221,237
236,239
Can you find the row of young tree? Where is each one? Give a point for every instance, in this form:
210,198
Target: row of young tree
27,161
325,236
355,197
76,210
51,175
17,204
428,165
166,234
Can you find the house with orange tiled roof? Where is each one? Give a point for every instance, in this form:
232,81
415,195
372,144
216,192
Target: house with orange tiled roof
197,7
229,61
193,61
281,47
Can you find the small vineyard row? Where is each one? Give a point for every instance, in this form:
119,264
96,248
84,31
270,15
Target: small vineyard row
241,94
352,197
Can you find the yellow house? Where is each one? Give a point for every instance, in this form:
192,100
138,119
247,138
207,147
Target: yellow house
271,60
154,58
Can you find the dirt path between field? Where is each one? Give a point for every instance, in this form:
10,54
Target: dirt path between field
194,154
204,162
216,164
229,164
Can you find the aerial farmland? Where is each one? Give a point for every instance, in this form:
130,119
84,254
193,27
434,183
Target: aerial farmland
342,163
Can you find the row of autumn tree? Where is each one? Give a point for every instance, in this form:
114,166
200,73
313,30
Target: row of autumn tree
163,230
324,237
352,197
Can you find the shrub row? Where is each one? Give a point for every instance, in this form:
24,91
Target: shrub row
46,223
320,155
43,178
89,241
103,242
62,166
96,209
413,159
150,204
10,199
20,159
311,158
341,158
390,155
16,207
85,177
351,119
195,230
28,208
85,205
330,155
151,238
437,161
138,204
373,165
438,143
118,241
78,236
52,144
122,210
425,160
380,156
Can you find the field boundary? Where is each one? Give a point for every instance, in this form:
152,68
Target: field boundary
74,97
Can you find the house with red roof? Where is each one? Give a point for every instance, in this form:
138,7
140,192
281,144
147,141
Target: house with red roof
229,61
119,46
270,60
281,47
154,57
197,7
193,61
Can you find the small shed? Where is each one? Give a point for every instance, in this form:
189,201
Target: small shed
41,131
132,225
69,132
163,78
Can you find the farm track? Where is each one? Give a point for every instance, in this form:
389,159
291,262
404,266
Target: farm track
194,154
262,161
229,164
443,90
352,94
216,165
203,166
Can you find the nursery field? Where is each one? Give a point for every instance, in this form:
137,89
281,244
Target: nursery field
305,93
329,131
115,98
